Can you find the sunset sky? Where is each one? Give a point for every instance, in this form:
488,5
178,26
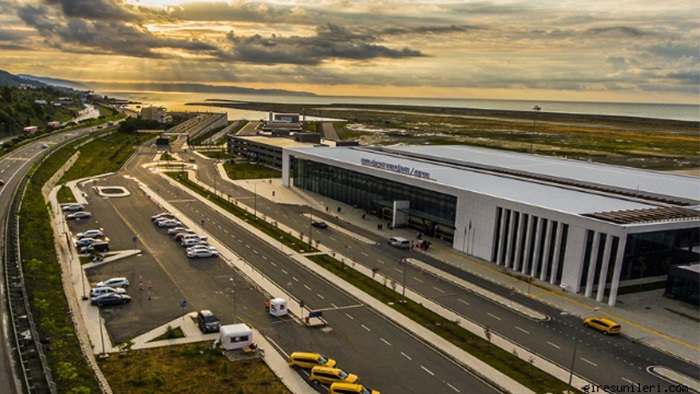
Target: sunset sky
590,50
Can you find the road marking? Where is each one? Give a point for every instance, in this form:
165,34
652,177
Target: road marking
351,318
628,381
332,238
453,388
247,246
380,262
366,328
418,280
556,346
440,290
406,355
284,272
334,305
462,301
255,251
265,258
590,362
295,278
518,328
399,270
307,287
385,341
320,296
494,316
365,254
427,370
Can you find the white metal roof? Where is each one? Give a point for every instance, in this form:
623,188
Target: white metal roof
549,196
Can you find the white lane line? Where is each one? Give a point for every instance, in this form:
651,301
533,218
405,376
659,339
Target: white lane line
418,280
284,272
265,258
334,305
366,328
295,278
453,388
247,246
399,270
556,346
385,341
518,328
380,262
628,381
351,318
494,316
365,254
320,296
427,370
462,301
406,355
440,290
590,362
332,238
307,287
271,262
255,251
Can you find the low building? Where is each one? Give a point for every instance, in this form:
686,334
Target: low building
30,130
158,114
683,283
589,228
265,150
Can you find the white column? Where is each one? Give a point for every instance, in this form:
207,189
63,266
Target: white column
286,168
528,241
592,262
603,277
545,256
511,234
518,241
501,237
557,250
536,254
617,272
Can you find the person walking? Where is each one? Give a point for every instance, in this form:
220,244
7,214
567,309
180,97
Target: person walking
267,306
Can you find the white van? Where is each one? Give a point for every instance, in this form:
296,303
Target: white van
400,242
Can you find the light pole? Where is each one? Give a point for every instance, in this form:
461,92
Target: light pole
537,109
403,262
573,358
311,223
233,285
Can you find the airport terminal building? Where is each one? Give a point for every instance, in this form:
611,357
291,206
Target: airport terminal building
586,227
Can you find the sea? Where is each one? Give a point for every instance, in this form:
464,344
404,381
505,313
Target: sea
176,101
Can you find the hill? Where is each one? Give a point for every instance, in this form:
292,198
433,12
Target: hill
55,82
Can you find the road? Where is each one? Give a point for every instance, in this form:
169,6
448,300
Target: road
355,333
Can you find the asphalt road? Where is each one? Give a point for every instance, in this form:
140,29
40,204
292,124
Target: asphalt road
360,340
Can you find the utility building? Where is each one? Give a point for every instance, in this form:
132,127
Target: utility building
586,227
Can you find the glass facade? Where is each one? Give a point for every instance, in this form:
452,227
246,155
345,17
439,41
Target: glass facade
652,254
430,212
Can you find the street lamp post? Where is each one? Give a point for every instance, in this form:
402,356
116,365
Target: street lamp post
233,285
573,357
537,109
255,201
404,262
311,223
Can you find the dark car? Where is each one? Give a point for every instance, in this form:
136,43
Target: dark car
78,215
207,322
319,224
111,299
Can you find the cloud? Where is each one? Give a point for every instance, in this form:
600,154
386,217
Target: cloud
330,42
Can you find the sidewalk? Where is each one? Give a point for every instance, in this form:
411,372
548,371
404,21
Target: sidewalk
668,325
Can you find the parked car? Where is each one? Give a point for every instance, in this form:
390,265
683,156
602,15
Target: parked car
98,291
207,321
90,234
2,182
163,215
399,242
309,360
78,215
114,282
44,146
202,247
97,247
327,375
350,388
73,207
181,236
177,230
111,299
319,224
85,242
187,242
169,223
197,253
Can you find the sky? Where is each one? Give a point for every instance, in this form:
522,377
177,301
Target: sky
583,50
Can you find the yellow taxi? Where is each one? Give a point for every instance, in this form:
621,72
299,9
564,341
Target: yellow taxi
350,388
328,375
309,360
607,326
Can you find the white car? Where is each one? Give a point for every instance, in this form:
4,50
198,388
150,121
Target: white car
90,234
169,223
192,242
164,215
78,215
73,207
197,253
98,291
202,247
176,230
114,282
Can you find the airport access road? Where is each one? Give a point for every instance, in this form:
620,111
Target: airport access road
362,341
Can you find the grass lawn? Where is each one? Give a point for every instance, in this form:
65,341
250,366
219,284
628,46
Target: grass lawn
250,171
191,368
